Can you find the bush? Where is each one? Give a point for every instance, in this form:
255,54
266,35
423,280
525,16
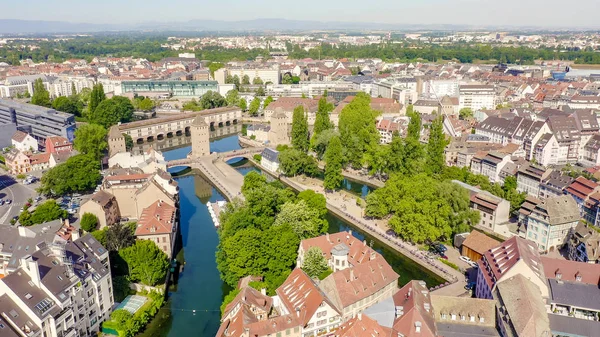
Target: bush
21,176
128,325
257,157
449,264
45,212
89,222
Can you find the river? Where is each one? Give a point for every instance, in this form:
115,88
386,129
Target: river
193,308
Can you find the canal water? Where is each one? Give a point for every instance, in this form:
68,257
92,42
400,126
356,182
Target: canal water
194,306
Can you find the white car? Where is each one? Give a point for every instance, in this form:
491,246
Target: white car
468,261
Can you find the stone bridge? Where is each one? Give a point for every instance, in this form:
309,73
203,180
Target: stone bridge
227,179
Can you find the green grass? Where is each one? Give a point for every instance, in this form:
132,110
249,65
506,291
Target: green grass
449,264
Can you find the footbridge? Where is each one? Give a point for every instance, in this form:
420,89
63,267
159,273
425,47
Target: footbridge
227,179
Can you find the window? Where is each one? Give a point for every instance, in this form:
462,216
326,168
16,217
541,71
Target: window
454,317
444,316
481,319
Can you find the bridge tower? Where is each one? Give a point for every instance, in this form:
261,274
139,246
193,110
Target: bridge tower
200,138
116,141
279,129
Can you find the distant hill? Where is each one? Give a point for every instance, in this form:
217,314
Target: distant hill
9,26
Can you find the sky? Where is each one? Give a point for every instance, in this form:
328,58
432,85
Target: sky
546,13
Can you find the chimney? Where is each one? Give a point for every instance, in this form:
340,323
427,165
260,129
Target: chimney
327,236
365,243
359,315
351,274
263,291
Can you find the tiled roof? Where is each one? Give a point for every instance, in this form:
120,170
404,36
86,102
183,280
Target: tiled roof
157,218
359,252
363,326
250,297
415,301
300,293
464,306
479,242
570,270
102,198
582,187
19,136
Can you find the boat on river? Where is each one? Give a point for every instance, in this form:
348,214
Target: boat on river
214,209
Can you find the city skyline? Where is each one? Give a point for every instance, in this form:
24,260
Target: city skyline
533,13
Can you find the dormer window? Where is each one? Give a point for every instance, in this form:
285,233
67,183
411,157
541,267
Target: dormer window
578,277
481,319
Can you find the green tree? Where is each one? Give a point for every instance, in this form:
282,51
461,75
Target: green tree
214,66
435,147
465,113
300,139
314,263
47,211
319,142
128,142
146,104
119,236
304,220
85,95
260,92
315,201
358,133
97,96
414,126
80,173
112,111
322,121
212,99
91,139
121,317
65,104
245,80
510,183
333,165
236,81
243,104
286,79
257,81
41,96
232,97
147,263
267,101
89,222
254,106
293,162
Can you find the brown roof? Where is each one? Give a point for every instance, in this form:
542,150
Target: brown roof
300,293
358,251
363,326
58,140
102,198
348,286
39,158
479,242
19,136
126,177
569,270
290,103
157,218
414,298
250,297
582,187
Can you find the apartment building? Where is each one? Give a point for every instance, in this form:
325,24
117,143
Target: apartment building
529,178
551,221
23,141
584,102
587,196
287,105
493,210
104,206
41,122
266,74
192,89
387,126
438,88
554,184
584,244
477,97
61,289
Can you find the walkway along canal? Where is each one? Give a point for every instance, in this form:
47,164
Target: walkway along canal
193,308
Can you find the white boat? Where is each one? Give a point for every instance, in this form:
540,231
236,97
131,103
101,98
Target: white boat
214,209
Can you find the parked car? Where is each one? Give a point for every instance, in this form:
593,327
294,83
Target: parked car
465,259
38,198
391,232
8,201
470,286
1,202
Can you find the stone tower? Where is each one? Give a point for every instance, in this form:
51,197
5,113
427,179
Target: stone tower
116,141
200,138
279,129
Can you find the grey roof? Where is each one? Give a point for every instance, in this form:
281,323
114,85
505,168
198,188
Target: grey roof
558,180
9,308
340,250
423,102
85,254
463,330
558,210
21,241
55,276
571,326
30,294
575,293
271,155
383,312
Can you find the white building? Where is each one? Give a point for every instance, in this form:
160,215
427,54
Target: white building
551,221
62,289
439,88
149,161
270,159
23,141
266,74
63,86
477,97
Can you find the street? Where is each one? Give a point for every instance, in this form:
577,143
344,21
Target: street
15,191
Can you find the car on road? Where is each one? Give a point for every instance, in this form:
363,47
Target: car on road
468,261
1,202
391,232
8,201
38,198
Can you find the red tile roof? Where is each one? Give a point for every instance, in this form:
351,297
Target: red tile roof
581,187
569,270
363,326
413,298
359,251
157,218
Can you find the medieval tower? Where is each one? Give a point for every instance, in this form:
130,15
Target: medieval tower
200,138
116,141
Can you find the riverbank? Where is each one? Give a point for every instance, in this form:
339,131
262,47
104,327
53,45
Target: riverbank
344,206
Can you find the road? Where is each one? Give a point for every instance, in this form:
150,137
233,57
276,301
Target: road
15,191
